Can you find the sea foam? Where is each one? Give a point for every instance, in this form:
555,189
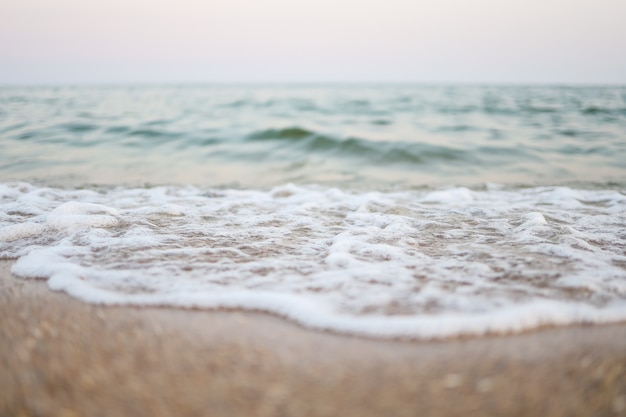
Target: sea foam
406,264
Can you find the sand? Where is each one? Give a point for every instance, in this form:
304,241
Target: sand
61,357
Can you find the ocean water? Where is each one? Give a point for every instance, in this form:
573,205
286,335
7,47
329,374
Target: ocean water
380,210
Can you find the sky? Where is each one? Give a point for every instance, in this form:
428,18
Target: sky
422,41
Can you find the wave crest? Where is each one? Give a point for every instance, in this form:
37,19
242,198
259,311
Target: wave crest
309,141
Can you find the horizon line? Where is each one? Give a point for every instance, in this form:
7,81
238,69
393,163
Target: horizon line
171,83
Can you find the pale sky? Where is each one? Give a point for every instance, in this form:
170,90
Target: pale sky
429,41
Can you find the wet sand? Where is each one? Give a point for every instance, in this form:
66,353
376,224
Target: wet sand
61,357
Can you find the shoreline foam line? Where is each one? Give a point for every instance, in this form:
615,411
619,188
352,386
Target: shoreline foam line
511,320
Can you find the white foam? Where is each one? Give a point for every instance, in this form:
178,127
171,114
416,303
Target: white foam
74,214
418,264
21,231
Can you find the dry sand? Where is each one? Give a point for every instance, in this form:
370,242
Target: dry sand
61,357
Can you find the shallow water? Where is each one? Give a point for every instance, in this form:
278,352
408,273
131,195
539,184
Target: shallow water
391,211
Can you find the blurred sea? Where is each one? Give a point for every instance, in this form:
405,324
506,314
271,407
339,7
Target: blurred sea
355,136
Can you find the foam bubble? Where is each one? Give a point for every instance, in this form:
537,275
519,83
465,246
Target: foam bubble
21,231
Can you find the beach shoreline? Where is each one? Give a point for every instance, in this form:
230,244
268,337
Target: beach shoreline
64,357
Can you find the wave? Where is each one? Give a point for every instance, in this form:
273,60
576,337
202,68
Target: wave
375,151
78,127
429,263
596,110
153,133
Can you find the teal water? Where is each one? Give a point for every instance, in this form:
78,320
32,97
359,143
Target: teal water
350,136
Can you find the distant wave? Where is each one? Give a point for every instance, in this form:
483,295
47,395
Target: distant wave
377,151
603,111
78,127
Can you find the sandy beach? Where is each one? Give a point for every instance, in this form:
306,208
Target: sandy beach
61,357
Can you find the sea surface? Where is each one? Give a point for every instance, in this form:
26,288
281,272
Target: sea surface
401,211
